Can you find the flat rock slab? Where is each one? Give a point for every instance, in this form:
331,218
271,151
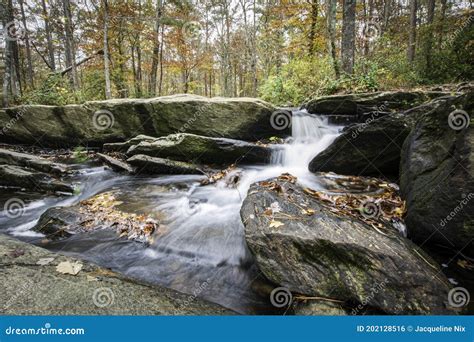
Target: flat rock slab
116,164
16,176
200,149
32,285
31,161
153,165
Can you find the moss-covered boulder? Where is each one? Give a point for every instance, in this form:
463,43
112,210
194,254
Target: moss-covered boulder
437,175
365,103
99,122
302,244
199,149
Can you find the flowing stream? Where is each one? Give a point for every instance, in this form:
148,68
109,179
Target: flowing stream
200,248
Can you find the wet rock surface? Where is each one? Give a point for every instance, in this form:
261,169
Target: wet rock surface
32,285
437,177
307,247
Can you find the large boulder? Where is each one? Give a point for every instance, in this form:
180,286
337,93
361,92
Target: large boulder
200,149
98,122
371,148
437,176
359,105
305,245
19,177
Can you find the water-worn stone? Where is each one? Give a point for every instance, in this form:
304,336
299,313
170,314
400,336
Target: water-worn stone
335,256
152,165
30,288
99,122
27,160
16,176
437,175
116,164
200,149
371,148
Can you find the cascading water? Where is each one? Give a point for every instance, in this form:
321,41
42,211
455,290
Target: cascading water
201,245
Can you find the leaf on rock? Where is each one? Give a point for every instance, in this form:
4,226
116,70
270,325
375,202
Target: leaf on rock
44,261
67,267
276,224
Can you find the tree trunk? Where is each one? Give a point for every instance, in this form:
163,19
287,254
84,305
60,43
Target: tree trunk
49,39
27,45
70,44
444,4
348,36
312,30
108,92
412,34
331,27
156,48
429,36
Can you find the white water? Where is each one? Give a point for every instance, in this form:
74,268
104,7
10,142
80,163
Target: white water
206,220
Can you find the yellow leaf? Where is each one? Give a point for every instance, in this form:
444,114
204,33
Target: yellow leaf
276,224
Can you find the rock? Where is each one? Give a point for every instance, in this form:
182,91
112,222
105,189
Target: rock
359,105
116,164
371,148
29,288
200,149
101,211
31,161
124,146
97,122
331,255
152,165
437,176
60,222
317,308
20,177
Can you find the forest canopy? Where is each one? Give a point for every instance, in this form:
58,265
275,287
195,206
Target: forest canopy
284,51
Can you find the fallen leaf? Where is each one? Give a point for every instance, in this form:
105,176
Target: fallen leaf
67,267
276,224
44,261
